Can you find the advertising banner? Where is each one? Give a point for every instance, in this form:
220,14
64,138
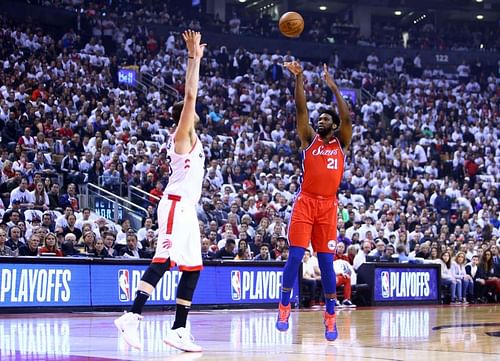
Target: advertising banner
97,284
127,76
406,284
28,285
115,285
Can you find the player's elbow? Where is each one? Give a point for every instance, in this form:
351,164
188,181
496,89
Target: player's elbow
190,95
346,119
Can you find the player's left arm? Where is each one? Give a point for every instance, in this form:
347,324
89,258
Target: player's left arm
345,131
184,135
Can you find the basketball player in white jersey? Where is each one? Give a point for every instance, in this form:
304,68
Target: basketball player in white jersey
179,234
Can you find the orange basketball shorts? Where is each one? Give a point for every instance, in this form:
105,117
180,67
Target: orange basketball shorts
314,221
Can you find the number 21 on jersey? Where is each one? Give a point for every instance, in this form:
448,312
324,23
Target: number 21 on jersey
332,163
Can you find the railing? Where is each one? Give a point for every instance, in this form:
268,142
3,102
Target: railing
365,94
147,79
117,189
113,207
142,87
139,196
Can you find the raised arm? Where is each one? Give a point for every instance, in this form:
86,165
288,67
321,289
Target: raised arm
306,132
345,131
185,136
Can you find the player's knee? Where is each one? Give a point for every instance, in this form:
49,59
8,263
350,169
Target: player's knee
296,254
187,285
155,272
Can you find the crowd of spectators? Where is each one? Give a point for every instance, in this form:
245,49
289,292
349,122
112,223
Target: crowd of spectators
105,16
461,36
422,170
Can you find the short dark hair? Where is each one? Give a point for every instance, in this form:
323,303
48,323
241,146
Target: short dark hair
333,114
177,110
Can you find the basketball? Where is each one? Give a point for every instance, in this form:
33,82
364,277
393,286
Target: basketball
291,24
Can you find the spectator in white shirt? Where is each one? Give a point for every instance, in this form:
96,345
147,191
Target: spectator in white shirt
360,257
22,196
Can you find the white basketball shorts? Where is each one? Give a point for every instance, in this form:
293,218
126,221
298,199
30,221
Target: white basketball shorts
179,234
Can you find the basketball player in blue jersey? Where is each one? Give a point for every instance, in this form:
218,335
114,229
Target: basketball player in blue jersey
179,234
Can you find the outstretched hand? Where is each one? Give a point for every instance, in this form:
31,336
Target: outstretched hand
293,67
192,39
328,79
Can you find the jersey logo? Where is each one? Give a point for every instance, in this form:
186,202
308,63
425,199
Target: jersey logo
332,244
322,151
187,163
167,244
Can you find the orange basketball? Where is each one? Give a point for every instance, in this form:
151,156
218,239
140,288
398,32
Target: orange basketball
291,24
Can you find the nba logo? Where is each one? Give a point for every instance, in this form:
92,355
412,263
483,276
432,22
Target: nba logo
385,284
235,285
123,285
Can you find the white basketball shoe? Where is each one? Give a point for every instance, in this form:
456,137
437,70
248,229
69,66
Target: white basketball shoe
181,339
128,324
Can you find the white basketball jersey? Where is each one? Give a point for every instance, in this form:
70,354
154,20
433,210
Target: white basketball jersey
186,171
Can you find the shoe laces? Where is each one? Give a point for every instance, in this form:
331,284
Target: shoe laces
330,322
284,313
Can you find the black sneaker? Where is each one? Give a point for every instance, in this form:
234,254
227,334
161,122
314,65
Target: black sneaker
348,303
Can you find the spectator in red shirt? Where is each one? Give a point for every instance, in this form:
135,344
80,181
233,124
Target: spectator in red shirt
156,191
27,142
471,169
50,246
65,130
40,92
152,43
232,222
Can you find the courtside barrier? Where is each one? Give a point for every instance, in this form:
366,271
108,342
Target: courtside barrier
401,283
41,283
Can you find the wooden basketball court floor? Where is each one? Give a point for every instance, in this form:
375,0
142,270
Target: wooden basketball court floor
420,333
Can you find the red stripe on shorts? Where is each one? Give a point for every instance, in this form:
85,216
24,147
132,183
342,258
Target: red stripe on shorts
190,268
163,260
171,213
170,220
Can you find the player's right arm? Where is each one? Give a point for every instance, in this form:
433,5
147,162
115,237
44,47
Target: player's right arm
305,131
185,134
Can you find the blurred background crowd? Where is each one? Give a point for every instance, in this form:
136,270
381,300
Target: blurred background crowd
422,173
